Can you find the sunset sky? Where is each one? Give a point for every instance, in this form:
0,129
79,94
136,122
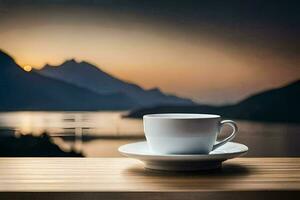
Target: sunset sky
210,51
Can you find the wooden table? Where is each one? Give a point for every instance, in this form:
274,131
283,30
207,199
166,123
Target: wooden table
123,178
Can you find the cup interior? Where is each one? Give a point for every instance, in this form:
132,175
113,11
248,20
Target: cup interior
182,116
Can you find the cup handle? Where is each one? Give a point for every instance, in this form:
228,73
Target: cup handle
231,136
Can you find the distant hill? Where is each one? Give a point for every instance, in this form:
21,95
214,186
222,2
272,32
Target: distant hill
281,104
86,75
20,90
32,146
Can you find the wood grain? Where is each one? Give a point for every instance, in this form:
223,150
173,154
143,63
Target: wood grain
120,176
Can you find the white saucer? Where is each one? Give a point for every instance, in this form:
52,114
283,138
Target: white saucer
183,162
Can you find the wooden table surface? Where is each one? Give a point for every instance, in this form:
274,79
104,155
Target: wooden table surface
119,178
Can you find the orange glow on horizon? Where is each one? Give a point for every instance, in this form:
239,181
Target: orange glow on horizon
197,65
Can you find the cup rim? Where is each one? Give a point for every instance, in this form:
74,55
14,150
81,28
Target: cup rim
181,116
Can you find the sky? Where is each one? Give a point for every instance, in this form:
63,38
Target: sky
213,52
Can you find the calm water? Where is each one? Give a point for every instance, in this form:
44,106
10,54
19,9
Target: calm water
100,133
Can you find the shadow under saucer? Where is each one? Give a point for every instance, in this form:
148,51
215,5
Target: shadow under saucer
222,170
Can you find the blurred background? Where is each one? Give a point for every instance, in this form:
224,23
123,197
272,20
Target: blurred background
77,76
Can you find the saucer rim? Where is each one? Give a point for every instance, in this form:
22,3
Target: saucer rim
177,157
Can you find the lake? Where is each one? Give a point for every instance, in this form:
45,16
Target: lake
99,134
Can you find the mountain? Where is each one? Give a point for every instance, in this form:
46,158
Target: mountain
280,104
86,75
20,90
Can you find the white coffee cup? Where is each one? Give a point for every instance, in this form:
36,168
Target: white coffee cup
179,133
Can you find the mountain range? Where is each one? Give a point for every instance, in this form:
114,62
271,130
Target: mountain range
20,90
41,90
82,86
89,76
280,104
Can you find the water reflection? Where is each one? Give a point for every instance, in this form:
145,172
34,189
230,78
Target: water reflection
69,123
69,129
100,133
